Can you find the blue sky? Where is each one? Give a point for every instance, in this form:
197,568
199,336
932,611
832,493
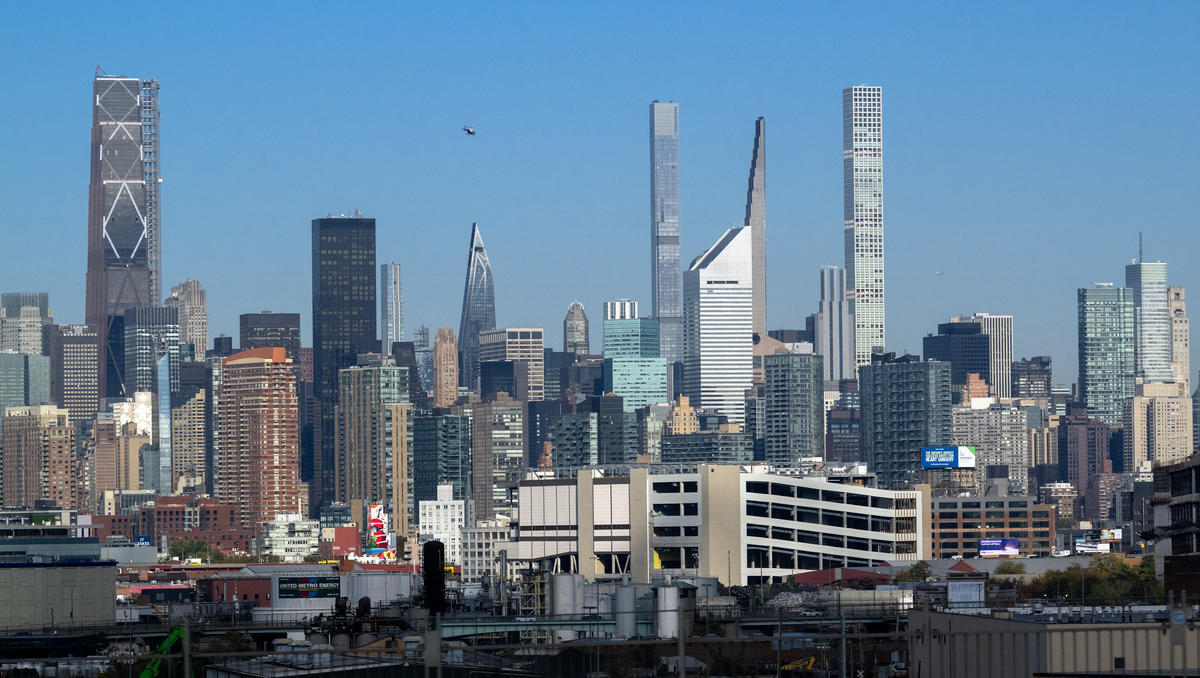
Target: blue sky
1024,147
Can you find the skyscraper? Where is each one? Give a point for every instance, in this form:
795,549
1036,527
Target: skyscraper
391,305
524,344
372,438
22,315
905,405
74,352
999,331
267,330
1031,377
344,325
24,381
478,310
795,410
1000,435
718,326
862,172
756,221
124,234
833,331
1180,338
423,346
445,368
259,465
151,332
575,330
1147,282
1106,350
666,291
191,300
626,335
965,347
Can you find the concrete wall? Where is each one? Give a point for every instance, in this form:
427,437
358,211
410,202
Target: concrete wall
35,596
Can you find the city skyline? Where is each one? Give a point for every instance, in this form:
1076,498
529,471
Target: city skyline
803,147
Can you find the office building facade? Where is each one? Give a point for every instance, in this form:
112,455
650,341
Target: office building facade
640,381
37,462
1147,283
22,317
518,344
1032,378
151,333
718,326
965,347
833,330
626,335
862,173
1106,350
343,317
1000,435
666,293
191,302
74,352
999,331
478,310
267,329
371,447
124,256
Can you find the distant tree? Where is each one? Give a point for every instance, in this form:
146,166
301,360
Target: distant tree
1108,580
918,572
1066,524
190,548
1009,567
314,558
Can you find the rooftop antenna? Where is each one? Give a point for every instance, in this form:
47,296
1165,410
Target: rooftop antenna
1139,247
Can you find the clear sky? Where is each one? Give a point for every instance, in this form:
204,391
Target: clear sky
1024,147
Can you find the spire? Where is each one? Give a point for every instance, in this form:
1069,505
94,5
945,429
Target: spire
756,220
478,309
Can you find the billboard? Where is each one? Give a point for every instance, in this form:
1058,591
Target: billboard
998,547
143,540
1082,546
310,587
1111,535
948,456
377,527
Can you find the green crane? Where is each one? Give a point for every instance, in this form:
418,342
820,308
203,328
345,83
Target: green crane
151,669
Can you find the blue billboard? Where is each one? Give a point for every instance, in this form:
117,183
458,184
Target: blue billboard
143,540
948,456
999,547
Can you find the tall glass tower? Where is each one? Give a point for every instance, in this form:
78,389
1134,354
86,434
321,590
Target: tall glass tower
478,310
391,305
862,176
666,280
344,325
1106,350
123,248
1147,281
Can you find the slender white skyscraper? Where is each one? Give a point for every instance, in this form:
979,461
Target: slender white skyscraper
391,305
999,331
665,280
718,319
862,172
1147,280
756,221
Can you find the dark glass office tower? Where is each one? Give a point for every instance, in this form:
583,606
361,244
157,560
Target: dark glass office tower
271,330
478,310
344,325
123,208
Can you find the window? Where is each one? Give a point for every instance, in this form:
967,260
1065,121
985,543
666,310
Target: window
833,540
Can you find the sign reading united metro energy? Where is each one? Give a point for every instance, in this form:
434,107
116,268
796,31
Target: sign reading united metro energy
310,587
948,457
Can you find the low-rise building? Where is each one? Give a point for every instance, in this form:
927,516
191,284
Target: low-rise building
481,548
443,519
290,537
960,523
740,524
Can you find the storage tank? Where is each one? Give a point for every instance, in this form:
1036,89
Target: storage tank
626,612
666,618
566,601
